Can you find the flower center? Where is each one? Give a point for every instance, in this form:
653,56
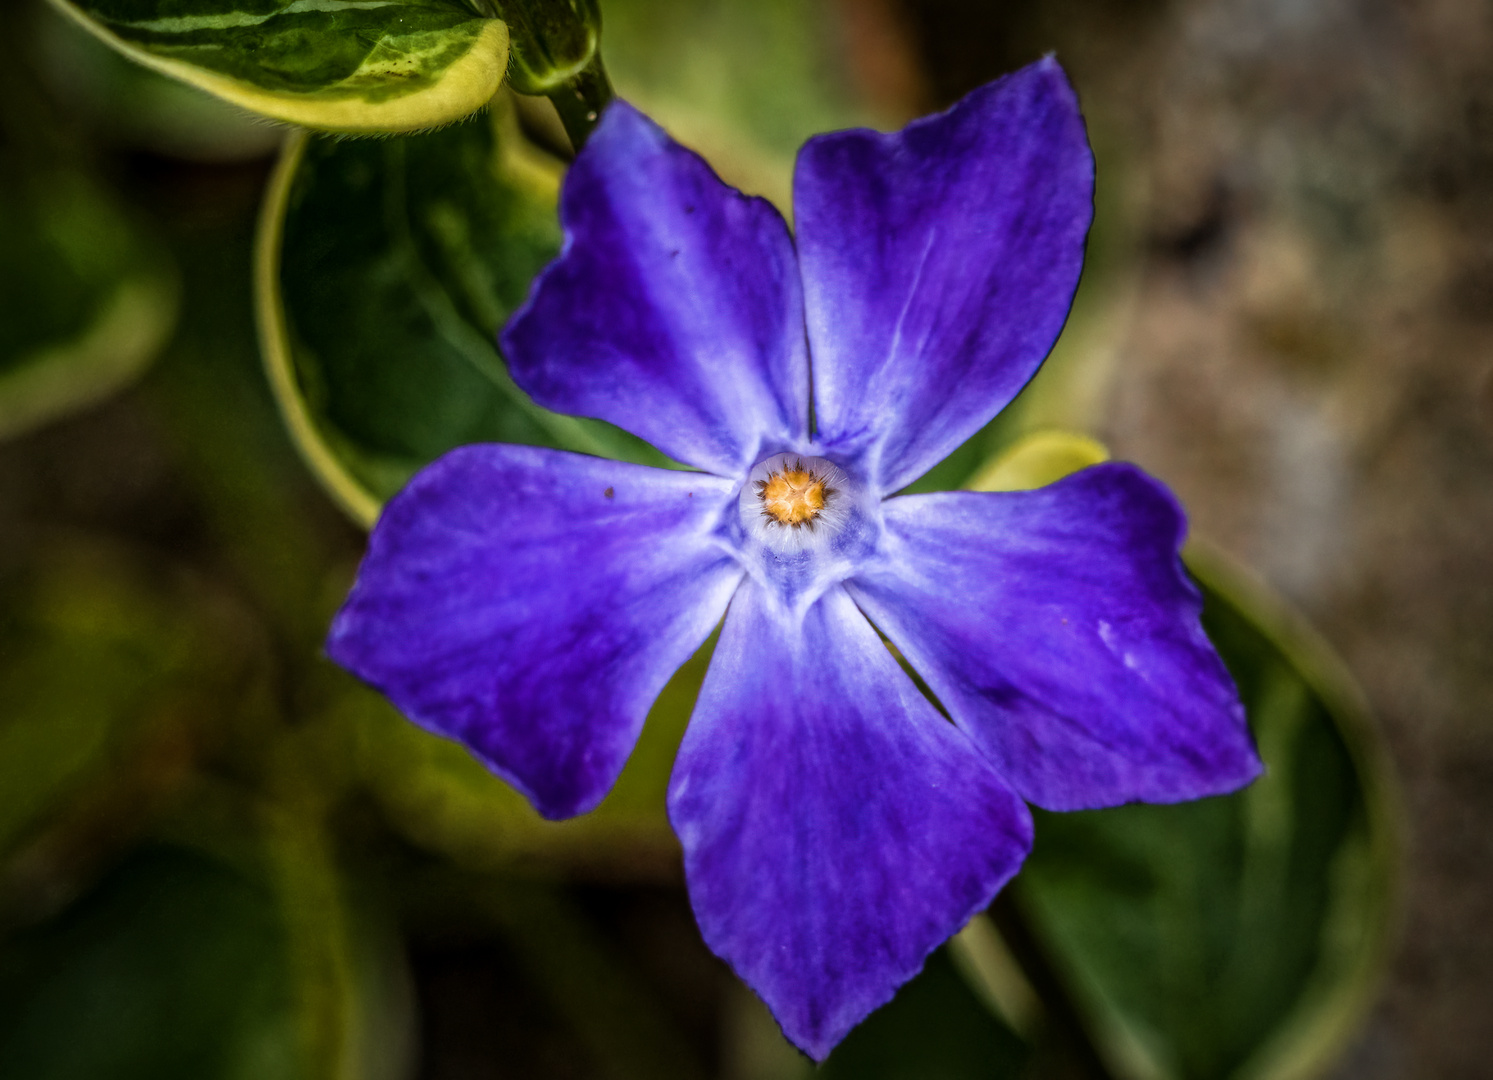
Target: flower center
793,495
803,509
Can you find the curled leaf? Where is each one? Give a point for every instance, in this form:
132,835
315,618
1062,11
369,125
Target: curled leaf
383,272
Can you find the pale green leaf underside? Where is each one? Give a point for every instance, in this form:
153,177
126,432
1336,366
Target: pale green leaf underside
341,65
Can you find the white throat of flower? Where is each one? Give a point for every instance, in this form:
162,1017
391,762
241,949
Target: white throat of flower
795,503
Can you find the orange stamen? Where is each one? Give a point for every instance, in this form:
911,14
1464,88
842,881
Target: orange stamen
794,496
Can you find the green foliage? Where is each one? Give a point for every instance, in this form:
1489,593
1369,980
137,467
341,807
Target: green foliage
1241,935
443,799
600,997
934,1029
1230,937
123,103
1237,936
88,294
99,661
385,271
340,65
138,715
87,298
1036,460
225,951
173,966
553,41
745,82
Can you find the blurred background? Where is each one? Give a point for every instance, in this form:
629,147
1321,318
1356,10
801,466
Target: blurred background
219,857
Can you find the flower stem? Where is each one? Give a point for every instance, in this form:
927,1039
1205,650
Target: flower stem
581,99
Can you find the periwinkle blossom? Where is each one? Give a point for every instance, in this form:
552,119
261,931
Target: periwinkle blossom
532,603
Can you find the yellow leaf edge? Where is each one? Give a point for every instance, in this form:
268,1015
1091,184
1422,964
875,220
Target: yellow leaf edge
1326,1020
462,89
350,495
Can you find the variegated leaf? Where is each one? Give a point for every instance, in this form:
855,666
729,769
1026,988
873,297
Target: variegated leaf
337,65
385,270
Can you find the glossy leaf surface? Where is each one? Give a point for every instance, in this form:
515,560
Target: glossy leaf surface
340,65
552,41
127,104
385,269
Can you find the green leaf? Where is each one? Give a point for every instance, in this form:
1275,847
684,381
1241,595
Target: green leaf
175,965
336,65
227,953
126,104
102,658
1036,460
348,980
384,271
553,41
936,1028
87,299
443,799
589,983
745,82
1240,936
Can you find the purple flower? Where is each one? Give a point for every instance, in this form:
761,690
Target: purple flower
532,603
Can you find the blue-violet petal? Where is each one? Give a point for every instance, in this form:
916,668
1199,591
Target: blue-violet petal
675,309
532,603
939,263
836,828
1060,630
